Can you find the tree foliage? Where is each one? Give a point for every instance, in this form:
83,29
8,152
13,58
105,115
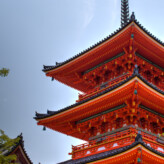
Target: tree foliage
6,144
4,72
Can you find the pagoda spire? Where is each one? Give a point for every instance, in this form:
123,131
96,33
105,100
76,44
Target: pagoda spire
124,12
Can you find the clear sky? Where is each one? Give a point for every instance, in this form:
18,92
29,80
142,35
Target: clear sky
37,32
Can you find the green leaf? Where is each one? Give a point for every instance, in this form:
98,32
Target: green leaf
4,72
6,144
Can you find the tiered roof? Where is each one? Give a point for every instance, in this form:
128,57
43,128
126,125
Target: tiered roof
135,92
70,72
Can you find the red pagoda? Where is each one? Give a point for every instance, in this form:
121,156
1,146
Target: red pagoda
120,114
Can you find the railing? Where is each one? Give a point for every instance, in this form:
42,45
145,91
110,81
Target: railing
153,142
103,86
159,85
114,141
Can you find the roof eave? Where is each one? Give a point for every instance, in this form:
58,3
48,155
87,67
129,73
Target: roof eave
39,117
47,69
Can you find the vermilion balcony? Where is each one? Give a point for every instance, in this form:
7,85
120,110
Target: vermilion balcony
115,141
103,86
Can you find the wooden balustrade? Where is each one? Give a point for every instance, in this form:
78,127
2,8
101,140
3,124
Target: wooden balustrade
111,142
104,86
114,141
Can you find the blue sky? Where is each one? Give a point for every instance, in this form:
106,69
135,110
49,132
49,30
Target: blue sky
37,32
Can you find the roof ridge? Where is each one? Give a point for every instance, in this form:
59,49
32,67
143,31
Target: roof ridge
132,19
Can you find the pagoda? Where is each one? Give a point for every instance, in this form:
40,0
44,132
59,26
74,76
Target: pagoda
120,113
